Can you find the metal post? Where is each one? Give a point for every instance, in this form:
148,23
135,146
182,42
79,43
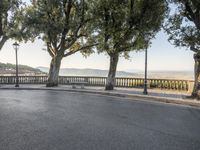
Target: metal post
145,78
17,77
16,46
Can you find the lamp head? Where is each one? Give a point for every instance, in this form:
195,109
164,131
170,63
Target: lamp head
15,46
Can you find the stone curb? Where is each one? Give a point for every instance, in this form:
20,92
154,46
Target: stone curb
193,103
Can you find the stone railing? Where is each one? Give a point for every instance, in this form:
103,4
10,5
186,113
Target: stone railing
165,84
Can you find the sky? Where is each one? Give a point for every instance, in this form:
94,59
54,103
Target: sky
162,56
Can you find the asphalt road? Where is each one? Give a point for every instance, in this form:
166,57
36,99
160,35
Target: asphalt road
53,120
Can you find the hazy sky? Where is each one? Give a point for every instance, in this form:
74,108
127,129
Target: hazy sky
161,56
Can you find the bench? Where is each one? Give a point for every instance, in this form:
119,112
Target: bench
81,84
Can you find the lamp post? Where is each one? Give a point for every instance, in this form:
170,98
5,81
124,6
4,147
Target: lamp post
16,47
145,76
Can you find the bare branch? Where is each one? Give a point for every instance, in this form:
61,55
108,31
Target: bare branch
3,40
80,49
67,9
1,26
50,50
192,48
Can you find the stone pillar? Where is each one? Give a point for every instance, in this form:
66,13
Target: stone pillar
190,86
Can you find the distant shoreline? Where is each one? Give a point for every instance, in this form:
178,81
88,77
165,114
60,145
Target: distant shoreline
9,70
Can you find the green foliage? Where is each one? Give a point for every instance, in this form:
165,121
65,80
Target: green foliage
183,25
124,25
62,25
10,27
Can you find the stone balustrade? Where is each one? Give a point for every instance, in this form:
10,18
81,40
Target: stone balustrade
164,84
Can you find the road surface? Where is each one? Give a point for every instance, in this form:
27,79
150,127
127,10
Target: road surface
59,120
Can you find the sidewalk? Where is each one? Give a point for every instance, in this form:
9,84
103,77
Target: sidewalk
174,97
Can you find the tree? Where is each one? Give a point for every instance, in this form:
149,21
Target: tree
183,27
122,26
63,26
9,24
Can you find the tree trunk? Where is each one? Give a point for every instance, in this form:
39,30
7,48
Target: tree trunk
2,41
110,83
195,93
54,71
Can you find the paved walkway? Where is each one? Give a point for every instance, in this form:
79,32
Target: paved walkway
59,120
176,97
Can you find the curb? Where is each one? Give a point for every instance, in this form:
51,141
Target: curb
193,103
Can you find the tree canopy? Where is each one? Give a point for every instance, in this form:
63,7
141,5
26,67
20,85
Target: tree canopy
127,25
10,27
183,25
62,25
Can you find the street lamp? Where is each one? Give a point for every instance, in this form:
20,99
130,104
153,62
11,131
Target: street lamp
145,76
16,47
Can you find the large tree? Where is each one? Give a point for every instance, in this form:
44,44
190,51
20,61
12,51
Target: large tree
9,23
183,27
63,26
122,26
